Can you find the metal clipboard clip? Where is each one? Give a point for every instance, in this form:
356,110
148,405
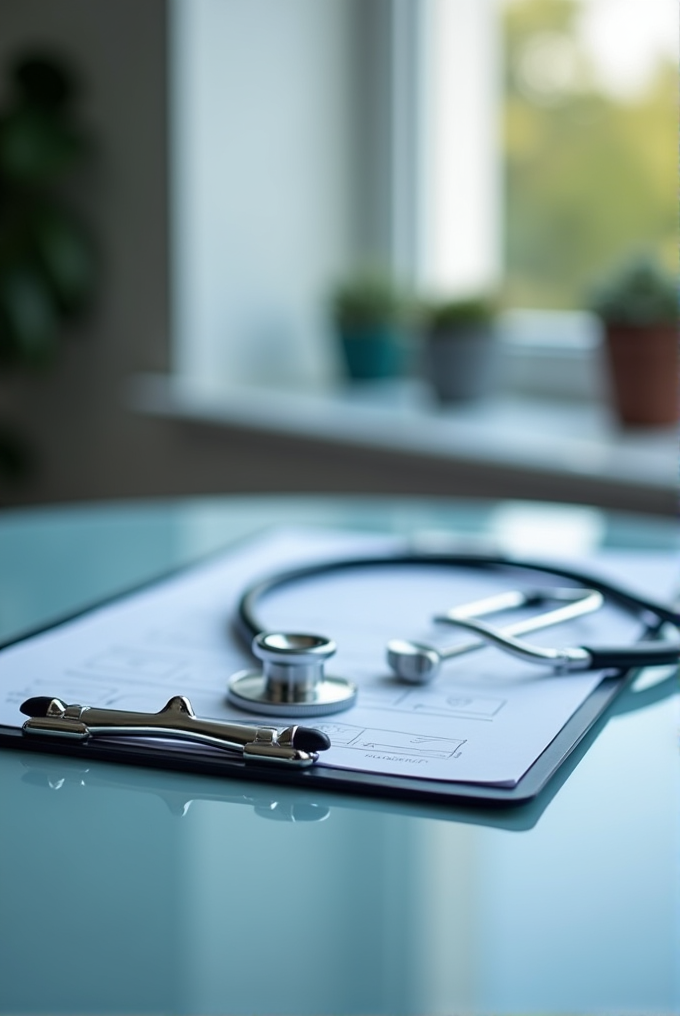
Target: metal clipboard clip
290,746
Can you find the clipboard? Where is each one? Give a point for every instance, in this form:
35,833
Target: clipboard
585,721
319,779
47,771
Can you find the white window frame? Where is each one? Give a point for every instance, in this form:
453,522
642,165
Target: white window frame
436,216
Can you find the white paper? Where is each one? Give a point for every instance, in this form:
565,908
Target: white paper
485,718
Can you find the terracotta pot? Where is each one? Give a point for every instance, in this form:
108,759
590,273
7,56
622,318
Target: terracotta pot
645,372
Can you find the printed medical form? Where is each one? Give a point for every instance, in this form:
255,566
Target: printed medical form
485,719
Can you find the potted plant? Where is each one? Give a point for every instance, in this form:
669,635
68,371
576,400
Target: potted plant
638,305
47,261
367,314
460,347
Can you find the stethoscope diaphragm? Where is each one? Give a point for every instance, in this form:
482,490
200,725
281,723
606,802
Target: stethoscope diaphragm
292,681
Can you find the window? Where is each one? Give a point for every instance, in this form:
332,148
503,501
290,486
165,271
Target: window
514,144
262,179
549,135
590,125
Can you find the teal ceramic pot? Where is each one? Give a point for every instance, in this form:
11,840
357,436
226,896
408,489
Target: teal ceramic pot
373,352
461,363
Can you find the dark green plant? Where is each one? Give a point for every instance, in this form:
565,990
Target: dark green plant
449,314
47,261
366,301
639,292
47,267
17,457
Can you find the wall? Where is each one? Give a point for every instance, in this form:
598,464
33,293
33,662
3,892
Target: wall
263,183
87,444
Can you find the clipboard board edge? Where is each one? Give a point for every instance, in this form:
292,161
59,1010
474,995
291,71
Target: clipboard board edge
321,778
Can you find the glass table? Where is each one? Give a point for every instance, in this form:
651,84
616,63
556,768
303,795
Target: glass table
129,890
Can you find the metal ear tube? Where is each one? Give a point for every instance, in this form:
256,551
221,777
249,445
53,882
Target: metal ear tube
419,662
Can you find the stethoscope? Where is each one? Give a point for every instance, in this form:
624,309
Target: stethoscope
292,681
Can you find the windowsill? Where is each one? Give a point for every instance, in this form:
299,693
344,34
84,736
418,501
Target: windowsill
576,439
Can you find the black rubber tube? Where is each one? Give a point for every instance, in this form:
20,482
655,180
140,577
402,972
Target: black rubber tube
651,613
641,654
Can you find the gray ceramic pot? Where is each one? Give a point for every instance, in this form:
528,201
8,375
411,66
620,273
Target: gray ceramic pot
460,363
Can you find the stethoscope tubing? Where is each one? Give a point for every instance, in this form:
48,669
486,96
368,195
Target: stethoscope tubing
653,614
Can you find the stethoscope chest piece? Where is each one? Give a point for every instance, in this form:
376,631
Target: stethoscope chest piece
292,681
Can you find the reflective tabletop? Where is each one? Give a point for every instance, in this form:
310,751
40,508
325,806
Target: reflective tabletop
129,890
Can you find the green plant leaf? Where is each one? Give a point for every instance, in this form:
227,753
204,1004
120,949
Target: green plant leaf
638,292
17,457
452,313
66,258
28,318
367,300
36,146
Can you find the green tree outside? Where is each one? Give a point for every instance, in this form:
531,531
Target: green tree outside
590,178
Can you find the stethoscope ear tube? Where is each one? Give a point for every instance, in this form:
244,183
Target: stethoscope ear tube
652,615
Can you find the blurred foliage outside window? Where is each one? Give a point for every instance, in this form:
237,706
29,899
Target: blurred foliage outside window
590,174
